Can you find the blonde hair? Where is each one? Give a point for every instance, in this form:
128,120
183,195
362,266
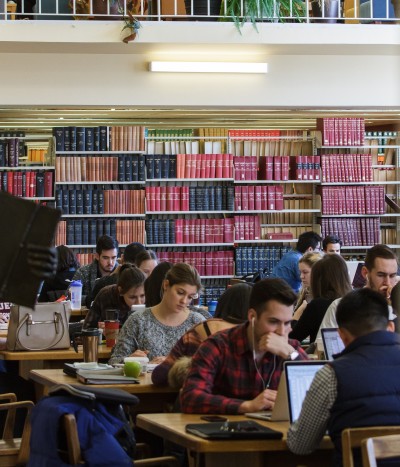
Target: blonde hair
309,258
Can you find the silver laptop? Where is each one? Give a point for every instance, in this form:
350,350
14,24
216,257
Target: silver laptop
299,376
332,341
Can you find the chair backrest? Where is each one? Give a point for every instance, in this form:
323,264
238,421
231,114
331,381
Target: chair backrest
14,451
353,437
381,447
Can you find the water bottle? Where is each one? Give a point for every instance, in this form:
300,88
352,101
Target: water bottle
75,290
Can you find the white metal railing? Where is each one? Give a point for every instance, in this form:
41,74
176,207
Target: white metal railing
326,11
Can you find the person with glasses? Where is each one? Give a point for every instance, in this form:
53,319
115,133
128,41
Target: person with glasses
288,267
152,332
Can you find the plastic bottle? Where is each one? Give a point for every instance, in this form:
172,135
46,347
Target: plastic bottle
75,290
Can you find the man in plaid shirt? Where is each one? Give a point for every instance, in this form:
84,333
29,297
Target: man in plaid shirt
238,370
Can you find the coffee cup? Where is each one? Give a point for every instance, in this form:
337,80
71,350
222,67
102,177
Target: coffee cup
111,331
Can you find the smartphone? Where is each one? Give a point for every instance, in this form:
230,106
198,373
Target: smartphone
213,418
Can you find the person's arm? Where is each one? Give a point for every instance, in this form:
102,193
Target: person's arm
197,392
302,327
306,433
127,341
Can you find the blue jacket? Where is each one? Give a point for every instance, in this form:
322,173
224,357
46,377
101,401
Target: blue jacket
368,385
288,269
96,430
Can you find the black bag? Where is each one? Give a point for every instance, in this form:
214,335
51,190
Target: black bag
255,276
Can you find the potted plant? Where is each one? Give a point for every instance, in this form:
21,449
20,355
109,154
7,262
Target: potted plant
255,11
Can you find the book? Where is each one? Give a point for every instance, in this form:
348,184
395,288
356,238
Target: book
31,224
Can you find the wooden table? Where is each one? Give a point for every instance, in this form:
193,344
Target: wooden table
238,453
29,360
152,398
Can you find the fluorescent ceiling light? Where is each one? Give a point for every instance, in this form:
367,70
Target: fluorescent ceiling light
209,67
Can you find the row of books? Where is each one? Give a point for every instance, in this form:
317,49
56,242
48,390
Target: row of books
284,232
87,231
28,184
101,138
259,147
97,201
116,168
193,198
207,263
357,232
255,258
259,197
247,227
342,131
291,218
85,258
187,231
37,155
212,290
346,168
353,200
11,150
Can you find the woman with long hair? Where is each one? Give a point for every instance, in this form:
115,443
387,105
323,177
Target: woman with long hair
329,280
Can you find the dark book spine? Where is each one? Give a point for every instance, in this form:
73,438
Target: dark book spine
78,232
4,179
172,231
2,153
72,201
224,198
79,201
58,134
85,232
172,166
135,167
96,139
103,138
205,197
230,195
95,202
128,168
92,231
165,166
218,198
113,232
100,197
107,227
89,139
150,166
65,201
59,203
149,231
157,165
87,200
211,201
121,168
141,167
156,230
67,140
192,198
80,139
70,232
72,138
12,153
40,184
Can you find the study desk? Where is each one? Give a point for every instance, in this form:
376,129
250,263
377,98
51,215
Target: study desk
152,398
29,360
235,453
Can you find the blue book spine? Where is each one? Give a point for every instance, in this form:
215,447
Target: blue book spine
157,165
95,202
121,168
72,201
150,166
80,139
96,139
79,201
135,167
58,133
113,232
238,262
149,231
224,198
70,232
165,166
211,201
92,231
100,199
156,230
89,139
59,203
192,198
103,138
78,232
85,232
142,168
72,138
87,200
172,231
172,166
128,169
205,197
67,139
230,196
107,227
218,198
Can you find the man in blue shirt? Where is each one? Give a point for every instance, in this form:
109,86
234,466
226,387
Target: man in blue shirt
288,266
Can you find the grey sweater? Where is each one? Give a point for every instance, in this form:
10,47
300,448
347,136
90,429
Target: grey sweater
143,331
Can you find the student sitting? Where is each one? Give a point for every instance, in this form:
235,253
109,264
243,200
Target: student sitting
238,370
128,291
361,387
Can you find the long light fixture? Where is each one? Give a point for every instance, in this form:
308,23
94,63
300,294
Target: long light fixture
209,67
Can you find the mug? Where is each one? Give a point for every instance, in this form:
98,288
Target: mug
111,331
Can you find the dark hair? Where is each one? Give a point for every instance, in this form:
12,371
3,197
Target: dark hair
129,276
378,251
104,243
307,240
131,251
145,255
331,239
362,311
330,278
233,304
271,289
66,259
153,284
183,273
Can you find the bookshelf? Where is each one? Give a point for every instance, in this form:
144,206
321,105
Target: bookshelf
26,166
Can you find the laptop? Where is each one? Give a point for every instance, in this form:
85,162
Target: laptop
299,376
332,341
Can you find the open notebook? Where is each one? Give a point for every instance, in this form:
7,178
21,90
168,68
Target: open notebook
294,383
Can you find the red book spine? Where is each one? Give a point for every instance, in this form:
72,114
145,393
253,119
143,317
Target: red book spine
238,198
277,168
284,168
179,231
163,198
48,184
230,165
253,167
194,169
202,165
10,182
209,263
219,164
196,230
185,198
191,230
197,165
207,164
271,198
245,198
229,230
188,165
262,168
317,166
213,165
279,198
299,168
225,165
270,168
203,230
251,196
248,227
257,198
264,198
157,198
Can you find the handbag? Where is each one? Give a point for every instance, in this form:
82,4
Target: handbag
44,328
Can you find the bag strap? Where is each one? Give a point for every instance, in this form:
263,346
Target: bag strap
25,321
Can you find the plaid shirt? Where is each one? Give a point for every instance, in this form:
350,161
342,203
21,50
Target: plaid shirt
223,374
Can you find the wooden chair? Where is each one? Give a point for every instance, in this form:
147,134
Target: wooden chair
14,451
353,437
381,447
74,449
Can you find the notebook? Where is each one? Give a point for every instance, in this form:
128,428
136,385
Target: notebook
333,343
280,411
246,429
299,376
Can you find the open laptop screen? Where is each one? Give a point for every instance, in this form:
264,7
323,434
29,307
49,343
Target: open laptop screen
333,343
299,376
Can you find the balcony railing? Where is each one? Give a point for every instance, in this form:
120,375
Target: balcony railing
316,11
